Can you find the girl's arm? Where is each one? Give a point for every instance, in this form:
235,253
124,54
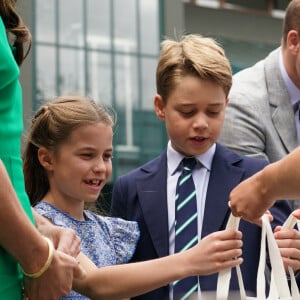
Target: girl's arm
213,253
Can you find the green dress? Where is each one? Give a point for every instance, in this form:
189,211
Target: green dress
11,127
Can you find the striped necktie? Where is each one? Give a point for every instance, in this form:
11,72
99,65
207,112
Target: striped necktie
185,225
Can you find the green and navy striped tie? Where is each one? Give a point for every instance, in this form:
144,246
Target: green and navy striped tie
186,235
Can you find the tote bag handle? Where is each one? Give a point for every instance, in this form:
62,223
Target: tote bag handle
279,281
290,223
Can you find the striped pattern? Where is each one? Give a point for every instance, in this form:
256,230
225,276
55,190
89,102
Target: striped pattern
185,225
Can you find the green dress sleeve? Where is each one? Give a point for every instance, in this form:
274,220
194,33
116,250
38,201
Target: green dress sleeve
11,128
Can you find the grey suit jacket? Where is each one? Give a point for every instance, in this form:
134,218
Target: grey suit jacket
259,119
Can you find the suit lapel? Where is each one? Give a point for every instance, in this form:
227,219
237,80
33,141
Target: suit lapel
280,105
152,194
223,178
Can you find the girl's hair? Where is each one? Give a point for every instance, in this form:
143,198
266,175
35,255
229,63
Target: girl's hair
51,126
16,29
192,55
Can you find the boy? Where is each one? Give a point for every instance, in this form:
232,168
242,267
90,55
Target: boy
193,81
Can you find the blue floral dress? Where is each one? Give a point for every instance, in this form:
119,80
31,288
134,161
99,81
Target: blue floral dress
105,240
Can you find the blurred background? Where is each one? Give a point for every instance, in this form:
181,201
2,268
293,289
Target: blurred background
108,50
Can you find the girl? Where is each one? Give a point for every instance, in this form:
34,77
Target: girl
67,161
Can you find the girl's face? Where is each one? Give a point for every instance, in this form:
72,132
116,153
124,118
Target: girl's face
81,166
193,114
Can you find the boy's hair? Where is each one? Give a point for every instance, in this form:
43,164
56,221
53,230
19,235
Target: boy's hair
291,20
16,28
192,55
51,126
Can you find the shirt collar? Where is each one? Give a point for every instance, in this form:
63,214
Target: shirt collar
175,158
293,90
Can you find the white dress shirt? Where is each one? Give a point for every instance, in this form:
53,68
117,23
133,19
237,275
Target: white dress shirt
200,175
294,93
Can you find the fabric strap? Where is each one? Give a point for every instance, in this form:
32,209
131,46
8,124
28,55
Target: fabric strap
279,288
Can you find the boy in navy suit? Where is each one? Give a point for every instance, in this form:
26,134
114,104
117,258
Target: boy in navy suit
193,80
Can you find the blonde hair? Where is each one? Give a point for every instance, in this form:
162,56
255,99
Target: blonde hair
191,55
51,126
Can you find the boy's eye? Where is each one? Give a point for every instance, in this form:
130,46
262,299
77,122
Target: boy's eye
213,112
187,112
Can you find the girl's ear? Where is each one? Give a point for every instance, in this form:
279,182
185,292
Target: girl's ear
159,107
45,158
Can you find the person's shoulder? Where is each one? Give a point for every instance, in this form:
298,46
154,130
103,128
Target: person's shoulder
9,67
253,161
117,226
272,57
248,87
241,160
52,213
43,206
250,82
244,73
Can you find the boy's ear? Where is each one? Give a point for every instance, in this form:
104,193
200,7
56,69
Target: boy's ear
159,107
45,158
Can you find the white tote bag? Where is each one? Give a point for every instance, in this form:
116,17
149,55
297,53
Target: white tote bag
279,288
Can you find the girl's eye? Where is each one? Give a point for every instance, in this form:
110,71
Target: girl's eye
108,156
86,155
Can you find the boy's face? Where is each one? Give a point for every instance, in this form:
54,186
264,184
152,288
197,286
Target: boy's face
193,114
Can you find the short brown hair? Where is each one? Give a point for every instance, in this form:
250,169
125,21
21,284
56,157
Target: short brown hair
291,19
192,55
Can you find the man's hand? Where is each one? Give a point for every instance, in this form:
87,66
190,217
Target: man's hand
248,200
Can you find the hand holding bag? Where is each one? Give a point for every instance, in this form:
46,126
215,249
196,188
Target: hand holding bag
279,288
289,224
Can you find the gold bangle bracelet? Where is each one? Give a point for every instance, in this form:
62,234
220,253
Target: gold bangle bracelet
47,263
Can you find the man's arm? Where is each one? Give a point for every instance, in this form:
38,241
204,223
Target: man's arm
279,180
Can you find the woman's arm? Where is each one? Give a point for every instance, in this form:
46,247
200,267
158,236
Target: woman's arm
23,241
16,227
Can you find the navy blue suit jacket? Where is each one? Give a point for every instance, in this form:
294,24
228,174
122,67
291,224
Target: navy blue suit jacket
141,195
